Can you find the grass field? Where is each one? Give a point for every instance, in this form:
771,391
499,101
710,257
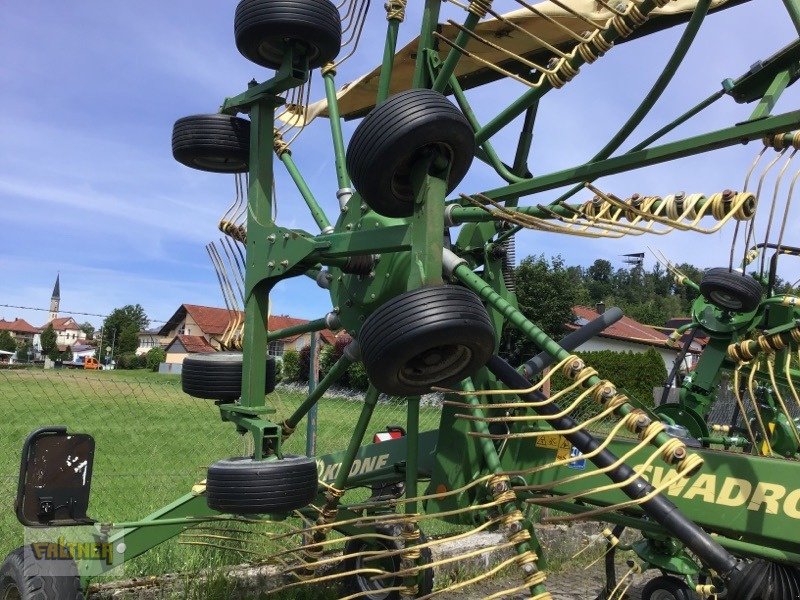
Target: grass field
153,443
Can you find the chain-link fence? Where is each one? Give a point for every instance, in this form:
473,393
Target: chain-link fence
725,409
153,442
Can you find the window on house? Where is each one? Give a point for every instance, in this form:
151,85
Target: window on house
276,348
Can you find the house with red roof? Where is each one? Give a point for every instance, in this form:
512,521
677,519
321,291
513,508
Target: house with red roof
628,335
20,330
68,332
196,329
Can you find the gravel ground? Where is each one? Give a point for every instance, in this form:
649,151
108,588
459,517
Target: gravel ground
577,584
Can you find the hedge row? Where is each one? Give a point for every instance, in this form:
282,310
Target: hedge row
295,366
634,373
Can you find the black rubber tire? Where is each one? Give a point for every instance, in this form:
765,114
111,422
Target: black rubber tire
246,486
355,584
730,290
262,27
38,579
218,376
215,143
760,579
668,588
386,143
402,338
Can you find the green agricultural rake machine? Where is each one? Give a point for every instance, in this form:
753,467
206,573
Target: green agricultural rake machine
425,310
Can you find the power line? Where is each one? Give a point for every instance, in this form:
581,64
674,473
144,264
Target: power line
72,312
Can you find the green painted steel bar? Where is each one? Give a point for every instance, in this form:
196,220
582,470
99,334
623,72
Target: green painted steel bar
257,284
660,85
188,520
475,214
773,93
389,48
522,154
449,65
763,551
336,372
336,129
491,156
510,113
313,375
430,21
793,8
487,445
310,327
464,274
429,181
533,95
158,527
412,452
370,400
715,140
695,110
341,245
490,455
320,218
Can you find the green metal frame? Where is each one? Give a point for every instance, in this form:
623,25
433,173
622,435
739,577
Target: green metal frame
410,255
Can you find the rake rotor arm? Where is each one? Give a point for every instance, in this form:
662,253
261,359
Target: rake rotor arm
722,138
658,507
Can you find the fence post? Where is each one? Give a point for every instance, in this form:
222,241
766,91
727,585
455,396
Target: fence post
313,376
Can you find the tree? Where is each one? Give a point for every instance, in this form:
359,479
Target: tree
7,342
121,327
88,329
155,356
290,366
546,292
23,350
47,340
128,338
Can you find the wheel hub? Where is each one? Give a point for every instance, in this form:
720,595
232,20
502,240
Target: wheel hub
434,365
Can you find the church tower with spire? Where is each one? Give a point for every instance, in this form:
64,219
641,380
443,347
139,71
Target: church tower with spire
55,299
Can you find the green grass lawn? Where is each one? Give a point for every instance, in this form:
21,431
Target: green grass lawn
153,442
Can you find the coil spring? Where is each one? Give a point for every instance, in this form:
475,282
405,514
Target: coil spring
509,260
359,265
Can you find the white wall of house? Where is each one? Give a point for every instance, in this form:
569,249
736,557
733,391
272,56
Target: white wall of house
148,341
67,337
278,347
597,344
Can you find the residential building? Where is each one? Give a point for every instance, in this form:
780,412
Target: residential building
20,330
192,322
183,345
68,331
628,335
151,339
295,342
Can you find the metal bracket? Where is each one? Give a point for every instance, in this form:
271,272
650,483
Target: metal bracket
754,84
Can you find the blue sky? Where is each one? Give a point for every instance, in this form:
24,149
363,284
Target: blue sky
88,187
